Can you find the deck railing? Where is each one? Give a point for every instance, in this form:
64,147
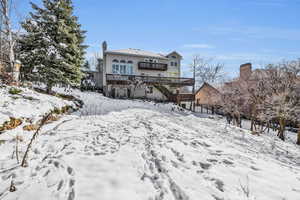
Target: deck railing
128,79
153,66
182,97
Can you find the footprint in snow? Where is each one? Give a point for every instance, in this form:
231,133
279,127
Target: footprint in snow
227,162
205,166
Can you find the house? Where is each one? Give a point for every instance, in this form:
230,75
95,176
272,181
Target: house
207,95
135,73
14,72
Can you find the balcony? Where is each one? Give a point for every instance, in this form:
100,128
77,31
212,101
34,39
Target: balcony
129,79
153,66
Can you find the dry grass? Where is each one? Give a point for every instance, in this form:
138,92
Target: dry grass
12,124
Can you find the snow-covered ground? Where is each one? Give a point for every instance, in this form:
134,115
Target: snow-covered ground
135,150
28,104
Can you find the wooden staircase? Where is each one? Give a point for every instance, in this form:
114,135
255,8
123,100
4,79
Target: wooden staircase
176,98
165,91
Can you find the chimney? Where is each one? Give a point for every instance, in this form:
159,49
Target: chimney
245,71
104,46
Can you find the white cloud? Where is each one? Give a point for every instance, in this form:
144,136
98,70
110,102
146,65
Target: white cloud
198,46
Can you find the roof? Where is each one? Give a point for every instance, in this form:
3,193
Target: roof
174,52
136,52
207,85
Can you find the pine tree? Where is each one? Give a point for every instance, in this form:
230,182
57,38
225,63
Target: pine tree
53,44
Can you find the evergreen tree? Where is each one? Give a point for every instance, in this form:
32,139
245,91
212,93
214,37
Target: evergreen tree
53,44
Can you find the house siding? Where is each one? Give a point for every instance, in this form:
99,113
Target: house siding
136,59
207,95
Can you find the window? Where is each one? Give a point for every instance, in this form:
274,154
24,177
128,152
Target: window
175,64
129,69
130,62
115,69
122,61
125,69
122,69
174,57
172,63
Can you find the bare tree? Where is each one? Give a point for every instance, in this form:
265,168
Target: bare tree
282,102
7,39
233,102
207,70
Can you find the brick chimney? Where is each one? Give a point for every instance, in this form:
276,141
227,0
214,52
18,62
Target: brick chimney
245,71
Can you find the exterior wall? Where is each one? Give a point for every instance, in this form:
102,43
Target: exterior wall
126,91
174,71
97,77
136,71
207,96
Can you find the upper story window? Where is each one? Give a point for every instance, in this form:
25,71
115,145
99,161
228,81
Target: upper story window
174,57
115,69
174,64
122,67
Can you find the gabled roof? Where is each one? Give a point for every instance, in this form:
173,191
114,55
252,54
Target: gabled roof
136,52
205,84
175,52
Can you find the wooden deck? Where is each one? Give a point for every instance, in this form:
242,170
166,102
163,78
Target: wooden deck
177,98
129,79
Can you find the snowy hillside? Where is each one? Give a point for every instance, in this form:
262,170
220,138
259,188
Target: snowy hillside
27,104
135,150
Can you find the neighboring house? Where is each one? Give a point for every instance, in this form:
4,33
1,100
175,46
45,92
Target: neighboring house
207,95
1,68
15,72
135,73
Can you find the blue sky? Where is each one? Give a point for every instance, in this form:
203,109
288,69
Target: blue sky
231,31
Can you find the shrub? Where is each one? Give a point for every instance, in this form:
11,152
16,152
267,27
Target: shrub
14,91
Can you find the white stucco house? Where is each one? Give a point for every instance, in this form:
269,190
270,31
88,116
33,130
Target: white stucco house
135,73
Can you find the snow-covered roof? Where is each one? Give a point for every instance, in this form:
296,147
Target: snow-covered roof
136,52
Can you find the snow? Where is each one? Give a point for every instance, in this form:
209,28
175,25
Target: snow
130,149
28,104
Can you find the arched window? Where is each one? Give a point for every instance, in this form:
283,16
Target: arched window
122,67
